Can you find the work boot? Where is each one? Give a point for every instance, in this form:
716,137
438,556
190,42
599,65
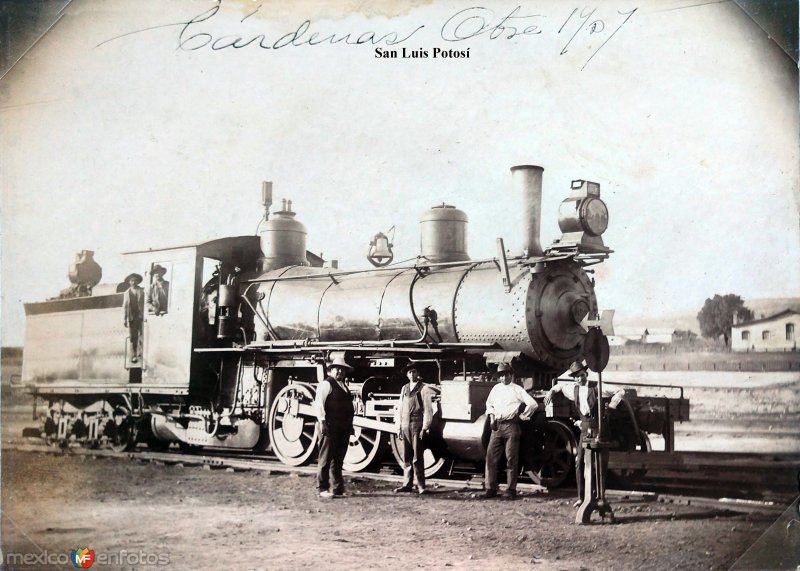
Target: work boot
490,494
511,494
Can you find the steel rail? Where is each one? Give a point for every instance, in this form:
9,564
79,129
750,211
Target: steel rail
220,460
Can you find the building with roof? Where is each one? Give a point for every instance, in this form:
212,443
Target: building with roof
625,335
774,333
659,335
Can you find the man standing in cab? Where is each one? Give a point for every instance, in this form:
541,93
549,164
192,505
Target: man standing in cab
133,311
158,296
334,408
414,416
503,407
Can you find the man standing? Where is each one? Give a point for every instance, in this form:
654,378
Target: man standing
133,310
414,416
158,296
334,408
503,406
585,399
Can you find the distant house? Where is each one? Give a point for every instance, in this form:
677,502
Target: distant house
625,335
659,335
775,333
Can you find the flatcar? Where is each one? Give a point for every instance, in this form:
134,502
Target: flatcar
236,332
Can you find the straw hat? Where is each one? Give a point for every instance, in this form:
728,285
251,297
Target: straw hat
341,363
503,368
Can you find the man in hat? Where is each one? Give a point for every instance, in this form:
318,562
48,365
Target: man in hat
158,296
507,405
133,310
585,399
334,408
414,415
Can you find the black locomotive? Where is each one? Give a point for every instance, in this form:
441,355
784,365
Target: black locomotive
235,333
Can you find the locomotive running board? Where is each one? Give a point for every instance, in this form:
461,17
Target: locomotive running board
440,348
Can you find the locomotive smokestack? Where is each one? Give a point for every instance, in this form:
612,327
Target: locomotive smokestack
527,181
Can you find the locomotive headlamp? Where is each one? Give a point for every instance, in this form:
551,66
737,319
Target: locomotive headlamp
582,218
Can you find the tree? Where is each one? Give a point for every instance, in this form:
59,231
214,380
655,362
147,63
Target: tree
716,317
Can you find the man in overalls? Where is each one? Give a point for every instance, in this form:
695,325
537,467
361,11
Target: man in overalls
414,416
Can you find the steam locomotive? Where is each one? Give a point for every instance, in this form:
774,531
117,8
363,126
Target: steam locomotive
231,352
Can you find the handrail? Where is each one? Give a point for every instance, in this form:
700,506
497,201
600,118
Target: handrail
646,385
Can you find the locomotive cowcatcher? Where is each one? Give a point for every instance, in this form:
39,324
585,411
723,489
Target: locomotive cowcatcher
236,333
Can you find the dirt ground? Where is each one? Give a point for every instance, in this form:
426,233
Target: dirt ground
204,519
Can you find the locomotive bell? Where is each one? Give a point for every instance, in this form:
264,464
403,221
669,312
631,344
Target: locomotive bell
380,250
443,234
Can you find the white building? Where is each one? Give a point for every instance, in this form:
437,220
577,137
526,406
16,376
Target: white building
775,333
659,335
624,335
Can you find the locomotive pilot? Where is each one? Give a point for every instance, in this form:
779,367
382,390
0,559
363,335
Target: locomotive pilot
503,407
413,416
133,310
585,399
334,408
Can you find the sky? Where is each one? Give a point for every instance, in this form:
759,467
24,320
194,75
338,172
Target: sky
123,129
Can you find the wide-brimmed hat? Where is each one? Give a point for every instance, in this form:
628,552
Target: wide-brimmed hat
577,368
341,363
503,368
134,276
158,270
410,367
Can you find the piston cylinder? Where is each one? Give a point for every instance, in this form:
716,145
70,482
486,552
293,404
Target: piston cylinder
443,234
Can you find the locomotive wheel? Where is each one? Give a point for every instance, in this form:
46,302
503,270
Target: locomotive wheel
293,436
433,462
122,436
552,454
628,443
367,445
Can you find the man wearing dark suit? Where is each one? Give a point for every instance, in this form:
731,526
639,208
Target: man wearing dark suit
334,408
158,296
133,310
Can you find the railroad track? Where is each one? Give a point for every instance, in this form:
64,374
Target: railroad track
741,483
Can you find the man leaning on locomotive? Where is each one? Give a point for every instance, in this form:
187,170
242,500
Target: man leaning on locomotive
585,399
